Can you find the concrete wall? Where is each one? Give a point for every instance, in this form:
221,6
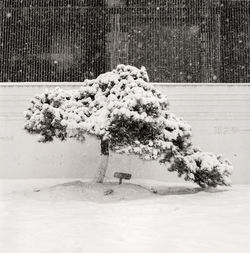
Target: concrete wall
218,113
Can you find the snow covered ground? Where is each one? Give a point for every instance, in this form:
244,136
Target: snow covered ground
73,218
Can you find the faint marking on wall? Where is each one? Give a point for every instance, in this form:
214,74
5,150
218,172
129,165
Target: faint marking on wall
6,138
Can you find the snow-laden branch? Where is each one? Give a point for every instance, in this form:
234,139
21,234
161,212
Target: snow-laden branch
123,108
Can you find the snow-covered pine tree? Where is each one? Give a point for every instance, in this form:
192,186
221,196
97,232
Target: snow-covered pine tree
128,115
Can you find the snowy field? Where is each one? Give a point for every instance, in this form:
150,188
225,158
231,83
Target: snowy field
80,218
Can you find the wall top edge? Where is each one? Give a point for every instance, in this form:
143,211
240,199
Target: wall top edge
77,84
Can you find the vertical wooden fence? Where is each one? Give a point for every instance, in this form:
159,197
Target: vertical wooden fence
177,41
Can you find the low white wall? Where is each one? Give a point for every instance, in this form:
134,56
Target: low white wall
218,113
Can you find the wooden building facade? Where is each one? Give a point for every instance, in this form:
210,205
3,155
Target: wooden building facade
176,40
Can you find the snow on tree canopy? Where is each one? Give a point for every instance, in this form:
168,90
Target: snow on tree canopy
123,108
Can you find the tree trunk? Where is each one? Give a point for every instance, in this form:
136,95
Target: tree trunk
104,162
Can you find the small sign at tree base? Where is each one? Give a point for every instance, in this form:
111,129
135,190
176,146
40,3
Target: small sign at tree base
122,176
